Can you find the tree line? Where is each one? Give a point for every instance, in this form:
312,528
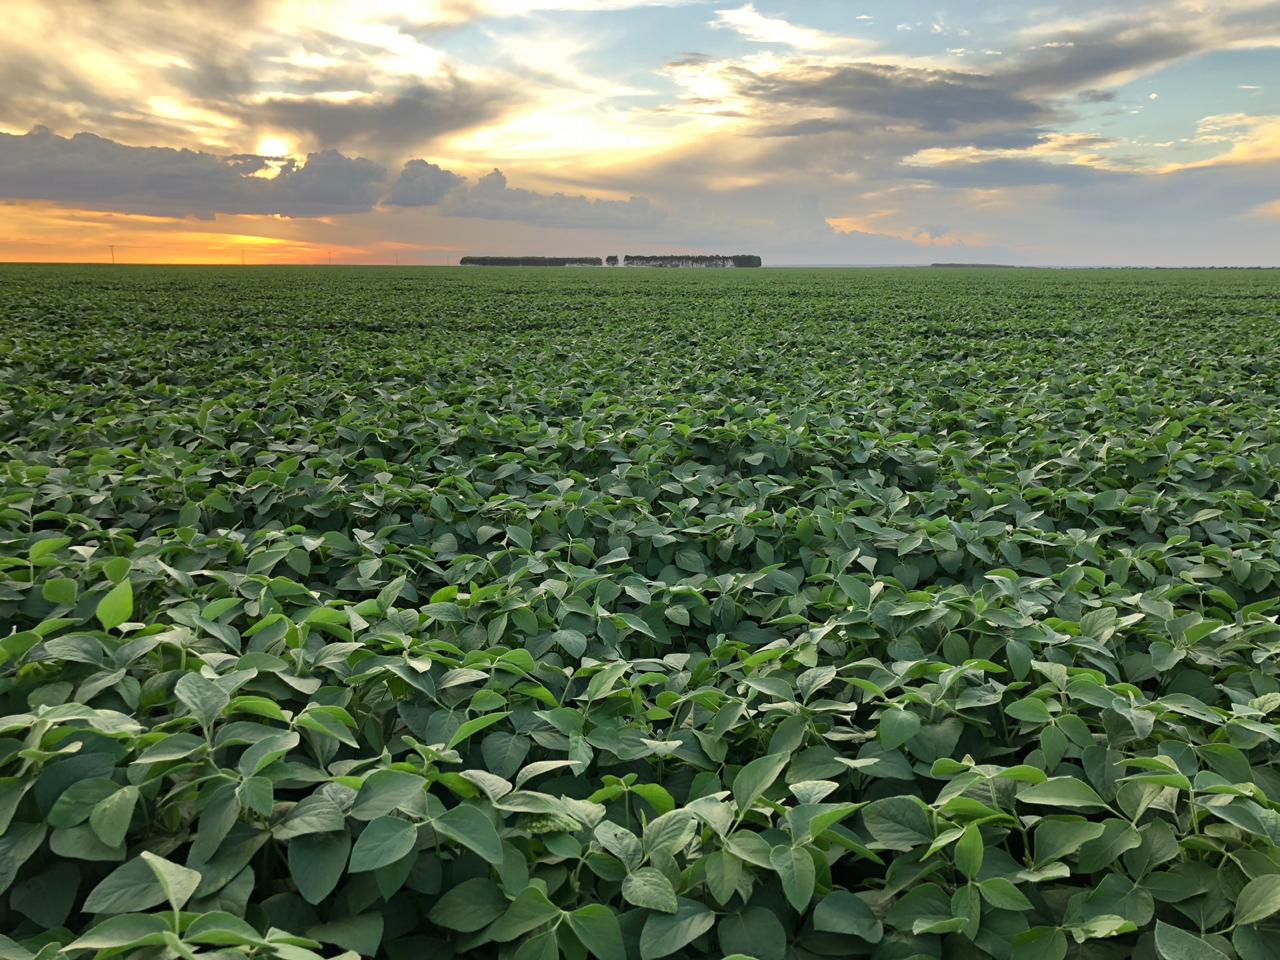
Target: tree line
629,260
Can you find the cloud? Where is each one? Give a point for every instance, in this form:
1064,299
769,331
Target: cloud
751,24
1251,140
95,173
935,100
400,118
422,184
490,198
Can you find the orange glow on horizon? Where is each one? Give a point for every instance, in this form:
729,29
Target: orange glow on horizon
46,233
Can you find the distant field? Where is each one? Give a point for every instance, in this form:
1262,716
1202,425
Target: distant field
511,613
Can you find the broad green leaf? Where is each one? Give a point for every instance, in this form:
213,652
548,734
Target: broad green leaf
177,882
132,887
663,934
1174,943
467,825
111,816
756,930
126,930
969,851
202,697
116,606
649,888
842,912
384,841
1259,899
1062,792
530,910
756,777
795,869
385,791
470,905
898,823
596,926
317,861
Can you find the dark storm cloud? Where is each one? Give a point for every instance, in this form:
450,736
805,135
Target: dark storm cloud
931,99
422,184
400,118
95,173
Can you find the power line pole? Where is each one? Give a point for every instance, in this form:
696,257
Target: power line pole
113,254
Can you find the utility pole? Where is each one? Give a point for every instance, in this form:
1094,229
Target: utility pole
113,254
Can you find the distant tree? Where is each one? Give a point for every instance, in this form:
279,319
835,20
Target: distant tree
531,262
691,260
611,261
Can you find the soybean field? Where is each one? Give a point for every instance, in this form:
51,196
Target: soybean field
773,614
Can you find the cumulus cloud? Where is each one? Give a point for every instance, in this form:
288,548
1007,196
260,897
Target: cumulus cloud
422,184
95,173
491,198
99,174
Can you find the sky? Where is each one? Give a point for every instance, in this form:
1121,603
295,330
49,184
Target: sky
819,132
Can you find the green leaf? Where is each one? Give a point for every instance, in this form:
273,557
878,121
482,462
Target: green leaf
1003,895
898,823
1259,899
131,887
756,777
465,824
317,861
649,888
755,932
968,852
117,606
202,697
1040,943
178,883
360,934
531,909
111,817
1062,792
385,791
61,590
220,929
842,912
469,906
795,869
1173,943
266,752
47,897
475,725
129,930
1056,838
597,927
897,727
384,841
663,934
